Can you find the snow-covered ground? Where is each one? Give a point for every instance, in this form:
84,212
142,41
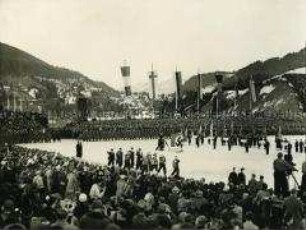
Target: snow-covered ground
208,89
213,165
267,89
297,71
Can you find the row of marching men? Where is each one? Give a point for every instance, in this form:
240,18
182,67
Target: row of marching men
139,161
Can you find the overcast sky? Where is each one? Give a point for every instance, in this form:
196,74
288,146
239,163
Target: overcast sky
95,36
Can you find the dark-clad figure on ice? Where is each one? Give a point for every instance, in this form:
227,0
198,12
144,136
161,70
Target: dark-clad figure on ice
229,144
154,162
267,146
111,158
241,177
189,136
289,147
176,167
301,145
119,158
202,137
79,150
132,157
161,143
127,160
197,140
162,164
139,158
281,170
296,145
278,142
215,141
179,142
246,146
233,177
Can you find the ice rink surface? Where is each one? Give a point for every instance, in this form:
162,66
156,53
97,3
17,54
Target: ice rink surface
212,164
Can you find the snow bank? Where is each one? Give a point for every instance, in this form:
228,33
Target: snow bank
297,71
231,94
244,91
208,89
267,89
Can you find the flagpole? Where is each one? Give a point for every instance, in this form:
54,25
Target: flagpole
251,105
176,92
199,92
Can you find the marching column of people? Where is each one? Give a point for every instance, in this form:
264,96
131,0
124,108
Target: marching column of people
145,163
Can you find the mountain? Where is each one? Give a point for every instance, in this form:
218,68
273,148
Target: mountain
279,82
55,89
17,63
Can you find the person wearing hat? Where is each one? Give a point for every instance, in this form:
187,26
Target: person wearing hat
241,177
281,168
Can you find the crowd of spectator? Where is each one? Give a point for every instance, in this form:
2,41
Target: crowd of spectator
43,190
25,127
22,127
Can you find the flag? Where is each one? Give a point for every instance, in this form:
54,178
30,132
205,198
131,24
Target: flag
126,72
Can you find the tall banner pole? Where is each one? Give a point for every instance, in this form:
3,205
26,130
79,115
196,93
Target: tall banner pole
178,79
198,92
125,72
219,79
